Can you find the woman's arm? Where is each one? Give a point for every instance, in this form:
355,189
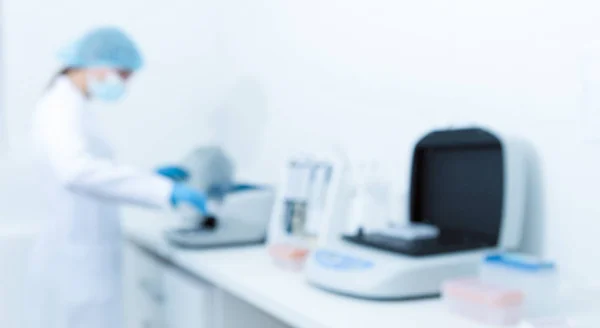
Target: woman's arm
68,149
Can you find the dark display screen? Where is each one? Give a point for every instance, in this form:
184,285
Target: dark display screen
461,189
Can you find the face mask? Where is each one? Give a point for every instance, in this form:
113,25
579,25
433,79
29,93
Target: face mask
111,89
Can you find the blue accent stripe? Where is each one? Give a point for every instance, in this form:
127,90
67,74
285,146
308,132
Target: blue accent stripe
518,263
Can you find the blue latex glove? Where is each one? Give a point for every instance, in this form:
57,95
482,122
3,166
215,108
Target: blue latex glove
184,194
174,173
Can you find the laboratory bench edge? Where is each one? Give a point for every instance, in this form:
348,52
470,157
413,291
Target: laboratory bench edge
248,273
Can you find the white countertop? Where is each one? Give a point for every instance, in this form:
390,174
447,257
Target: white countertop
247,273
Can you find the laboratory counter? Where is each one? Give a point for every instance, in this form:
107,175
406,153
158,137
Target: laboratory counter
248,274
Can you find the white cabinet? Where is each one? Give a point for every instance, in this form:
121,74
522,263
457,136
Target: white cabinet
233,312
189,300
158,294
143,289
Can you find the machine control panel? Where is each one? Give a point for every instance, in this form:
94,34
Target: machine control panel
338,261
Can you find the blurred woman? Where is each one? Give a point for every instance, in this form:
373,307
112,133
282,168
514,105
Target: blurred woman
75,275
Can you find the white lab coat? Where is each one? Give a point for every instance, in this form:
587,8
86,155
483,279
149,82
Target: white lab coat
74,277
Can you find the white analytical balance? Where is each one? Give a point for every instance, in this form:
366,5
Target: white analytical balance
467,198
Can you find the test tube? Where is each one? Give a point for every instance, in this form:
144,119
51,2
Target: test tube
290,193
301,198
318,192
327,176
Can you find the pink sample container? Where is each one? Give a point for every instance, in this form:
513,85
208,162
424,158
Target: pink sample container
485,303
289,257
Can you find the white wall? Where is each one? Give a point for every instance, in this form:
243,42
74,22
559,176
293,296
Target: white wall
373,75
376,74
2,95
15,245
181,81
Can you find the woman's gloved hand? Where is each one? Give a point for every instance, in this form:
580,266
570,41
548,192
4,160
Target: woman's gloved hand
184,194
174,173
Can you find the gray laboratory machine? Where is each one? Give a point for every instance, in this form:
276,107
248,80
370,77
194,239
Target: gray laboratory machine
238,214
